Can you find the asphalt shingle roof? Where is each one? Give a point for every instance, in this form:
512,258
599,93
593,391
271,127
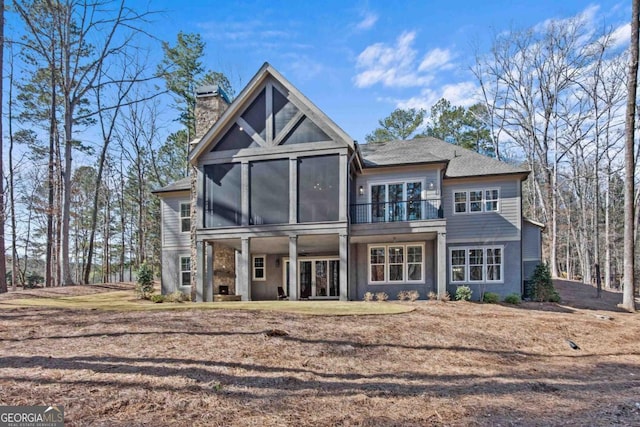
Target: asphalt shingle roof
461,162
180,185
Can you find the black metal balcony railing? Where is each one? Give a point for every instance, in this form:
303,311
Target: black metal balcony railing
411,210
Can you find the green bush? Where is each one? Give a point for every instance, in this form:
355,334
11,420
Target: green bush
157,298
512,299
144,283
463,293
490,297
542,286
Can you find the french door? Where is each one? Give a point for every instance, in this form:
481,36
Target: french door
399,201
317,277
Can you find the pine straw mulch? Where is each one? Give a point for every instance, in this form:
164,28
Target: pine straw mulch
453,364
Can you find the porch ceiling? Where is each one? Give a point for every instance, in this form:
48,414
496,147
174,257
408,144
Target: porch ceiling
387,238
280,245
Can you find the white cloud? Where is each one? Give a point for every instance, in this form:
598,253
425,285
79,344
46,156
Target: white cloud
367,22
462,94
621,36
391,65
436,58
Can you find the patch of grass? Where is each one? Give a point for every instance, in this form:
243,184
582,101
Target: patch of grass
123,301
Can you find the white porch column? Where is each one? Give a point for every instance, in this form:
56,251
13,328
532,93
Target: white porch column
199,271
441,264
344,266
293,268
207,293
244,270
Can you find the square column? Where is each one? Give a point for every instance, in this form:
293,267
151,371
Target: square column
200,255
293,191
244,270
441,264
207,293
244,193
293,268
344,266
343,188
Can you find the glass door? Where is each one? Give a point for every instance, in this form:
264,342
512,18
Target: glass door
396,202
378,203
317,278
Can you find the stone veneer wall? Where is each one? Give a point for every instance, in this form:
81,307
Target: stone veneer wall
208,110
224,268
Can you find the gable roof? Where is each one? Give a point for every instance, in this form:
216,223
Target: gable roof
252,88
183,184
461,162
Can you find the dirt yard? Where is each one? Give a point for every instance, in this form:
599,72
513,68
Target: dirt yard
454,364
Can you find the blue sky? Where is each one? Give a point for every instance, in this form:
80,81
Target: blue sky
360,60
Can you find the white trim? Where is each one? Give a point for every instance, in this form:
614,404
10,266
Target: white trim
483,201
484,240
285,261
264,268
387,182
181,271
180,217
387,264
467,276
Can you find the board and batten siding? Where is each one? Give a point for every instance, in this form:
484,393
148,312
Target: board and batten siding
486,227
171,234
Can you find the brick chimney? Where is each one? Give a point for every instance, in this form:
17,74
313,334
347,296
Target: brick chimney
211,102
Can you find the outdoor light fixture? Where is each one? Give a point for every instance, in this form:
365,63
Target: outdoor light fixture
361,190
431,185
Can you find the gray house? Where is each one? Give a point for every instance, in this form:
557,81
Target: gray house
288,203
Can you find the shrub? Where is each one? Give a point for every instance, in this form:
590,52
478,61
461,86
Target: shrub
157,298
490,297
403,295
144,286
382,296
413,295
512,299
463,293
368,296
542,286
432,296
446,297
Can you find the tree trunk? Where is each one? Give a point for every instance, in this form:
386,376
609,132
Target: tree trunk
3,261
628,302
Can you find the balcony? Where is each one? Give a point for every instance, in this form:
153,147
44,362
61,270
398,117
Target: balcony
404,210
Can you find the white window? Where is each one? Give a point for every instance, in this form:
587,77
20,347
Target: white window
185,271
414,263
377,262
460,201
394,263
185,217
259,267
491,200
476,264
473,201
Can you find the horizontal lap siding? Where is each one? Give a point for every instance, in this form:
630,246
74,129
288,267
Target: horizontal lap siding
531,249
486,226
171,234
